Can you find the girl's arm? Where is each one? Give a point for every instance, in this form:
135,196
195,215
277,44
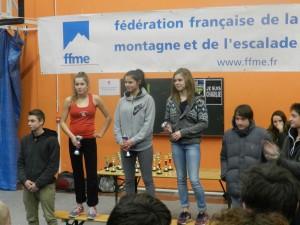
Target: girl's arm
64,117
100,105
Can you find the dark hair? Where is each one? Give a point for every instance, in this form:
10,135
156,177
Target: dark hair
273,131
268,187
236,216
244,111
295,107
38,113
140,209
138,75
189,82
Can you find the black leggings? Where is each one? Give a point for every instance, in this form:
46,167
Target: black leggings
88,149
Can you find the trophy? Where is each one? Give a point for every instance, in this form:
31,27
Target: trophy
125,138
77,152
166,169
158,164
170,161
137,165
154,165
119,166
106,163
113,169
167,126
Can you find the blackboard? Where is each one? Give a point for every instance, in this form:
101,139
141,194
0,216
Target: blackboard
210,88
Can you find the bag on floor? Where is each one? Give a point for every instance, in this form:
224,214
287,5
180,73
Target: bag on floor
65,181
106,184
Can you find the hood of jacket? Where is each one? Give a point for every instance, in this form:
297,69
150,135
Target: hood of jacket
142,93
47,133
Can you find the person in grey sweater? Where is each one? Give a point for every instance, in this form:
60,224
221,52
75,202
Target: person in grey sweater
133,130
242,147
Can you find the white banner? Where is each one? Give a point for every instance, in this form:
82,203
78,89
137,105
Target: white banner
248,38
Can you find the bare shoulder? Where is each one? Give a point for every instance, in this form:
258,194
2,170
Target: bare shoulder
68,101
97,100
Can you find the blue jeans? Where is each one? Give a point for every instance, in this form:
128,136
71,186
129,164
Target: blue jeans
186,158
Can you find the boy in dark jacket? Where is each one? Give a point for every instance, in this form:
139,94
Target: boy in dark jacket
241,148
38,163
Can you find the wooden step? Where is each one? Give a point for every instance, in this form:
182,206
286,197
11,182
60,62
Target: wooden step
64,216
174,222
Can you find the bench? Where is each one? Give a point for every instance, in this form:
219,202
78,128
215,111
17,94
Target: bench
64,216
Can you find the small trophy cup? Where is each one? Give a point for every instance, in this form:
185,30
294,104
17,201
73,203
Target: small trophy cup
167,126
154,163
166,169
106,163
77,152
125,138
137,165
170,161
113,169
158,164
119,166
157,155
158,168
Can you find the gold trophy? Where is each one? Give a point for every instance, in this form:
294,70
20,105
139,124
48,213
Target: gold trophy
119,166
170,161
154,162
106,163
158,164
137,165
166,163
113,169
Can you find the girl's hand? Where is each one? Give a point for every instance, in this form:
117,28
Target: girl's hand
176,136
279,126
75,142
126,145
97,135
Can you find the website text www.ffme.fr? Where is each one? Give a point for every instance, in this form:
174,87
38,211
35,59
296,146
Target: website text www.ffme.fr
248,61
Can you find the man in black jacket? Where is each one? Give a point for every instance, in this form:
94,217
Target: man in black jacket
38,163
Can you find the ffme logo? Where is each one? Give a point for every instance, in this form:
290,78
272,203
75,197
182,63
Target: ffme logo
76,37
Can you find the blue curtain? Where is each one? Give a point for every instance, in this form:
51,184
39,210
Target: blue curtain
10,107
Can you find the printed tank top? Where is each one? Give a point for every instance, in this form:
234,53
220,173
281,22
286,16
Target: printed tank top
83,119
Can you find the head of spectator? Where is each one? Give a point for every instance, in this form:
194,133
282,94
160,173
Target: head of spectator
268,187
236,216
242,117
140,209
4,214
278,124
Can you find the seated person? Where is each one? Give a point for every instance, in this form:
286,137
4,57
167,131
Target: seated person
278,128
140,209
270,188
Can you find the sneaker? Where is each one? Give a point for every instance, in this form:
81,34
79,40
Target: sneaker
76,212
202,218
92,213
184,218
